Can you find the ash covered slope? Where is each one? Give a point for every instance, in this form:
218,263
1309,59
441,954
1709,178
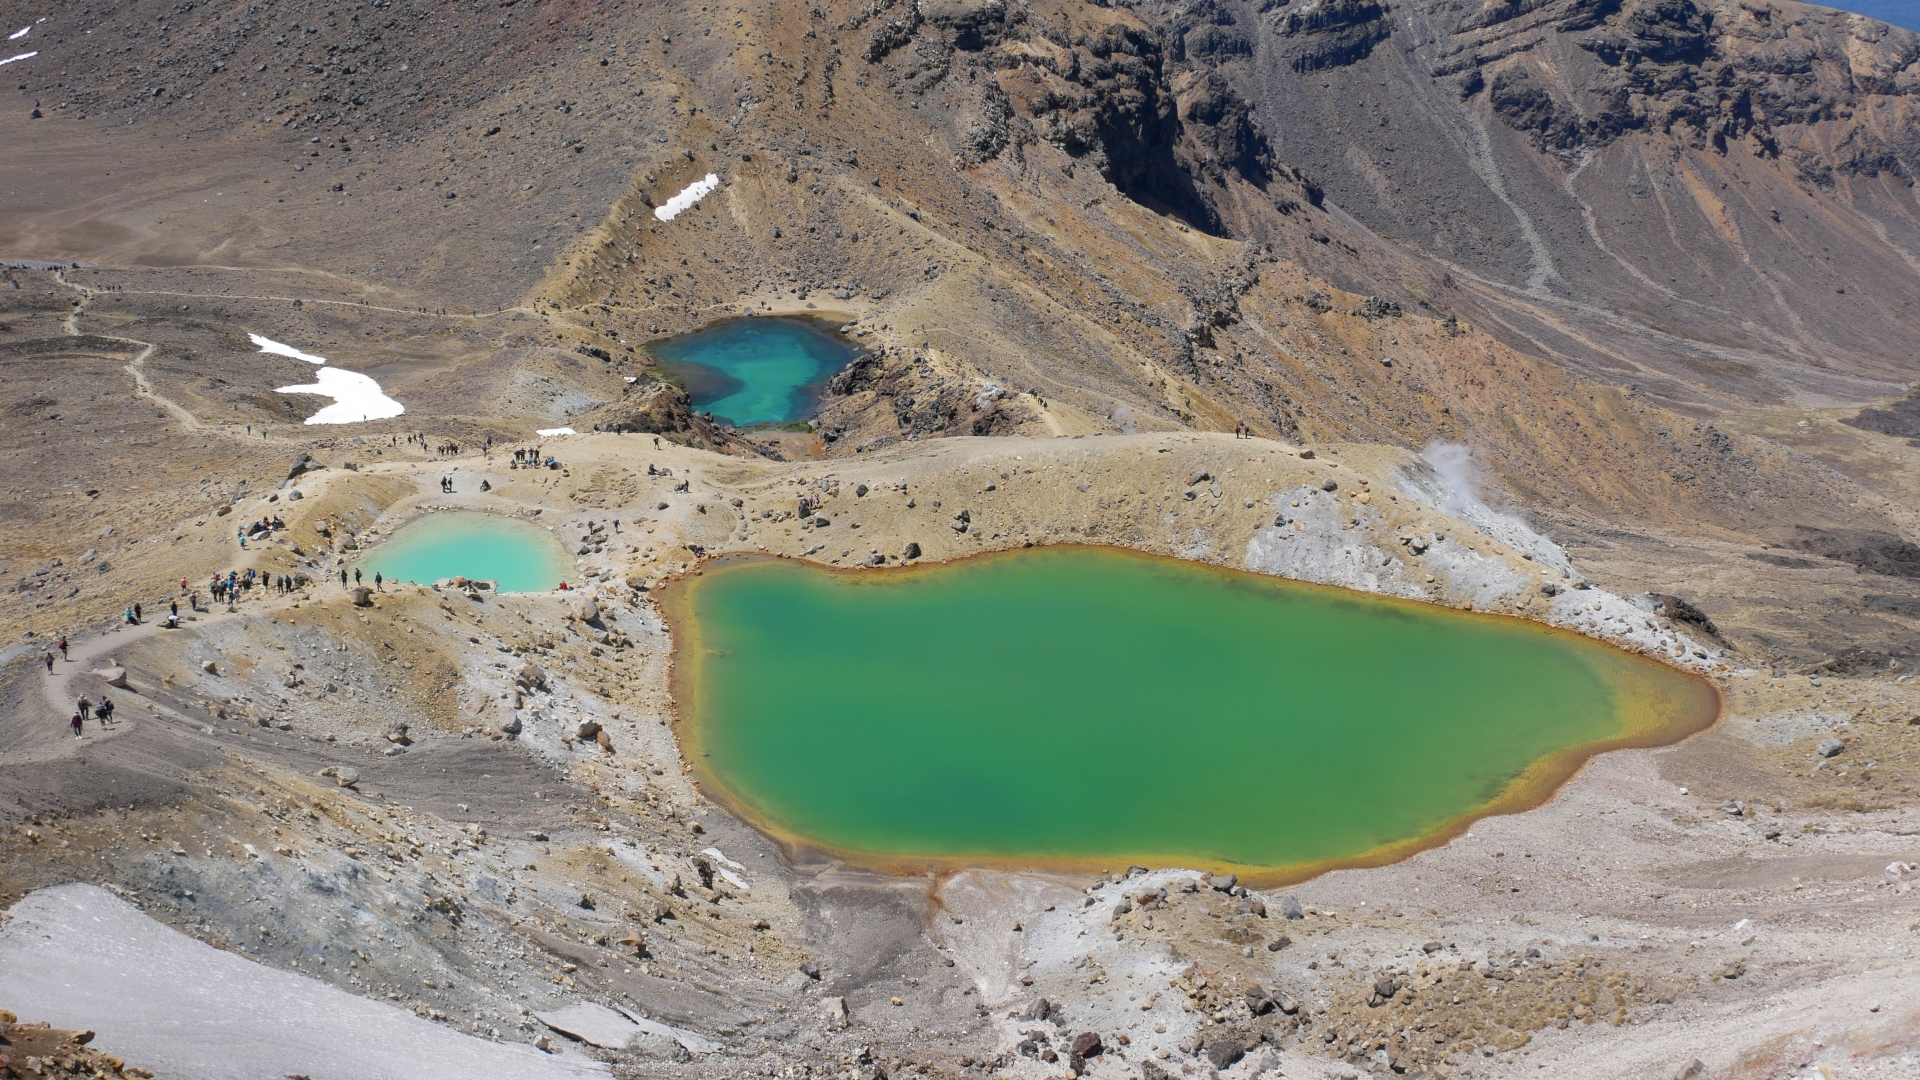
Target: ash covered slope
1720,191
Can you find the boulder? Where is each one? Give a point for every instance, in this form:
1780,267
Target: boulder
531,677
588,729
211,668
343,775
302,464
294,495
912,551
586,609
1829,747
1225,1049
1290,907
115,676
363,596
510,726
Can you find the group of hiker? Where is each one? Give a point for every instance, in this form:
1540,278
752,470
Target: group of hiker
445,448
101,713
529,458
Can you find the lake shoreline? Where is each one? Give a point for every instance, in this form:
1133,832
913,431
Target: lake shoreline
1536,784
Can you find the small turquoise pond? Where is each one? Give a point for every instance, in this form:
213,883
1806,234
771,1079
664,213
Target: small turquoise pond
755,370
520,556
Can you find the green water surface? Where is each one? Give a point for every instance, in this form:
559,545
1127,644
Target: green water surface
520,556
1089,704
755,371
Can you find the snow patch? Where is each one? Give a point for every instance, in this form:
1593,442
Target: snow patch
551,432
268,345
83,958
689,195
356,397
22,56
18,34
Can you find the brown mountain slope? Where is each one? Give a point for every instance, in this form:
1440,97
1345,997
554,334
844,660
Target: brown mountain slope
1714,200
1050,217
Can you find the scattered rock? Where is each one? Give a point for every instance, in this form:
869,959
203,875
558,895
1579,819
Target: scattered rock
912,551
836,1012
1691,1069
1290,907
362,596
531,677
211,668
1829,747
115,676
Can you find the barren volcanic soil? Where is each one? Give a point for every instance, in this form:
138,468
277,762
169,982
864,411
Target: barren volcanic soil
1592,312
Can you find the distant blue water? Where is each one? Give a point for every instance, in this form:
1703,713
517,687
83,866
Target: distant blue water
1898,12
757,370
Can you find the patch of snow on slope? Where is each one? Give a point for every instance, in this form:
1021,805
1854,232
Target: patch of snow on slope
79,957
22,56
356,397
18,34
689,195
268,345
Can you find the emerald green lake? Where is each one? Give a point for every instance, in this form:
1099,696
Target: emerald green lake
755,371
1091,707
520,556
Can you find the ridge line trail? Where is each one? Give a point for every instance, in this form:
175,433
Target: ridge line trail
360,304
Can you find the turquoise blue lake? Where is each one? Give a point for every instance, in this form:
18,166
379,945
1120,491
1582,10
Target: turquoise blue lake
520,556
756,370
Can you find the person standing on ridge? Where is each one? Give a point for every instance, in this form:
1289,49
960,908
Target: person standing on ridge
62,643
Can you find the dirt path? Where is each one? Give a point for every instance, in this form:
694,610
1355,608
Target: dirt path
136,366
62,693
